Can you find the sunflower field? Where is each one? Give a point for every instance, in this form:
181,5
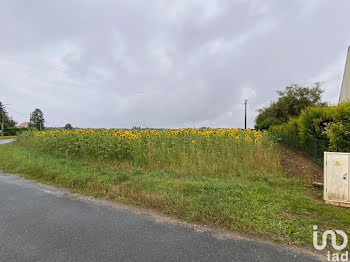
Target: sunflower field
210,151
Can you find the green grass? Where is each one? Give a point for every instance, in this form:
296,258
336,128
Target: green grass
274,206
7,137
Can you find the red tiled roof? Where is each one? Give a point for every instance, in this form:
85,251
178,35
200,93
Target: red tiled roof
24,124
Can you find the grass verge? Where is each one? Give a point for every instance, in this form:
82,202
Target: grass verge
273,206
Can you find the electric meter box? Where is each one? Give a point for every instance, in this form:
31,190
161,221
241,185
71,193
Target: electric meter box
336,178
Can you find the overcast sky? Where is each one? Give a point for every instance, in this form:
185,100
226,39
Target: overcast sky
165,63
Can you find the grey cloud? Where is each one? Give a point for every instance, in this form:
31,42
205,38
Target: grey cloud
165,64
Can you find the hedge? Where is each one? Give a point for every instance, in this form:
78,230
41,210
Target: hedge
13,131
325,128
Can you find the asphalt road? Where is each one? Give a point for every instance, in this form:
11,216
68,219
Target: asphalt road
5,141
41,224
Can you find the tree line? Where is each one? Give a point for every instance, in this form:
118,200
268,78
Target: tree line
8,125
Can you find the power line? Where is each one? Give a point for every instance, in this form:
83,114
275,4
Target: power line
17,111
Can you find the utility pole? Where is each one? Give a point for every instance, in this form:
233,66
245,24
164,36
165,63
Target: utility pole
245,114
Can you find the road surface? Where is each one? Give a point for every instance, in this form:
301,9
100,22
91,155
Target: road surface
38,223
5,141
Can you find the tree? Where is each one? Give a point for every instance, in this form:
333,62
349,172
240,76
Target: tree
68,127
290,103
5,120
37,119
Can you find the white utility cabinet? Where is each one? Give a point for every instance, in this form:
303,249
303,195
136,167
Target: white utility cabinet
336,178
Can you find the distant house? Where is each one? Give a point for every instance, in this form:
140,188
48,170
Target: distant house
345,87
23,125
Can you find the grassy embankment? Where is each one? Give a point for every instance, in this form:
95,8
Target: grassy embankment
227,179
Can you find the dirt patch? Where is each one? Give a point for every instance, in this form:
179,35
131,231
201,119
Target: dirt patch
299,165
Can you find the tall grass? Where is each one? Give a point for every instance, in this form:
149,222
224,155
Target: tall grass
210,152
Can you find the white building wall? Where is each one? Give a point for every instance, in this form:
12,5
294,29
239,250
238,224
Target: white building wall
345,88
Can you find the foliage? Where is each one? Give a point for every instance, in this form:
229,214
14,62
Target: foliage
9,124
37,119
338,129
11,131
290,103
68,127
328,125
339,137
289,129
313,122
194,150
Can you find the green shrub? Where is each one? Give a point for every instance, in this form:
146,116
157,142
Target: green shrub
13,131
339,136
313,122
338,131
318,129
287,132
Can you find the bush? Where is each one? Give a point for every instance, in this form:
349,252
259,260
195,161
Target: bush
13,131
289,132
318,129
312,126
338,131
339,135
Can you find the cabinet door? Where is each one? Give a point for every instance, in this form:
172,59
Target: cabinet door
337,177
